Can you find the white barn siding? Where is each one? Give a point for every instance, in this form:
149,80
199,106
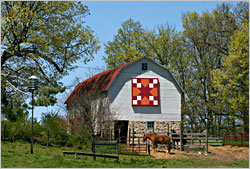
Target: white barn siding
120,93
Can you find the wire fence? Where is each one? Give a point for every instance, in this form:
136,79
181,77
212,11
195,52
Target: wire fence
236,138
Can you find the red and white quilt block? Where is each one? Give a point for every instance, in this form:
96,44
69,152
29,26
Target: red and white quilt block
145,91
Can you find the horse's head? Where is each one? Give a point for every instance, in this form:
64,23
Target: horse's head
173,131
144,138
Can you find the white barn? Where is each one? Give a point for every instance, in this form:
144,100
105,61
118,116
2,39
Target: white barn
143,94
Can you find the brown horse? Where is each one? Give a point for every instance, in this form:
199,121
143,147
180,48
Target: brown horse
158,139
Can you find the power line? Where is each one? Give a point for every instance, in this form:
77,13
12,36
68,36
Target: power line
103,69
86,67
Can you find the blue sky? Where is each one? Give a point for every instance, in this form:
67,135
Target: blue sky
106,18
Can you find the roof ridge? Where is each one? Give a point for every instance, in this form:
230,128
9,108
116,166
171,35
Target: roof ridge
106,81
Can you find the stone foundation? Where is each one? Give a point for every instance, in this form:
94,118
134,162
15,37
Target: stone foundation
160,127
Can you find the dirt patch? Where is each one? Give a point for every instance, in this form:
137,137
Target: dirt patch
223,153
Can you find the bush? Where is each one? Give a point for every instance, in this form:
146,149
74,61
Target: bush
19,130
56,126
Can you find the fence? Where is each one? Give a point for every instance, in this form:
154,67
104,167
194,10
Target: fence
236,138
97,145
90,154
105,145
132,145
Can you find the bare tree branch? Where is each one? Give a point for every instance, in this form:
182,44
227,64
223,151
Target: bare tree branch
16,89
15,77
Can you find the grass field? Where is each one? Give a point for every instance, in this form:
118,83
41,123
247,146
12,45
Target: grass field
17,155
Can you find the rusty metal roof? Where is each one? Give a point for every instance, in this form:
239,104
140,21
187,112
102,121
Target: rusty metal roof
98,83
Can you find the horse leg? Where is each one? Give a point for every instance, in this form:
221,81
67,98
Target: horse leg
155,147
168,147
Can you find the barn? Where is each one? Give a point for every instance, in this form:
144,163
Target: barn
143,94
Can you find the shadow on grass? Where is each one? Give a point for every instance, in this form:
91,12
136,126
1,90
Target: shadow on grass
133,154
165,152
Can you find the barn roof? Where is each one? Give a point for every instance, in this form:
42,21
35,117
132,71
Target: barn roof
99,82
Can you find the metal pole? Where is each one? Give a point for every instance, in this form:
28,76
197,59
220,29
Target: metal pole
31,143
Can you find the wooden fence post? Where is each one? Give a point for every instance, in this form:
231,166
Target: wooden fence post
181,137
133,144
192,141
168,129
3,134
241,138
48,139
223,137
117,146
139,143
119,132
93,148
110,137
206,140
148,146
129,136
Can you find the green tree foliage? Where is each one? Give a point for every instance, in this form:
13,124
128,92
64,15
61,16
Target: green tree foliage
126,45
233,79
132,41
207,37
45,39
55,128
52,130
20,129
192,56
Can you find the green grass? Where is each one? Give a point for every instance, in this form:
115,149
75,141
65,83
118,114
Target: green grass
17,155
237,143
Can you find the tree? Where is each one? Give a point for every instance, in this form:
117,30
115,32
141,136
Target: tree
132,42
55,126
45,39
191,56
233,79
126,45
89,115
208,37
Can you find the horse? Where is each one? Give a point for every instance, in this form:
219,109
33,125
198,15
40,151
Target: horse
176,140
159,139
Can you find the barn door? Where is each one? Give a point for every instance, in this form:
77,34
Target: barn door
121,126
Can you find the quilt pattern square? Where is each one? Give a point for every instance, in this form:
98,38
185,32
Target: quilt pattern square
145,91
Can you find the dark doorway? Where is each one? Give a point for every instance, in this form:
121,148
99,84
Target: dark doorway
123,126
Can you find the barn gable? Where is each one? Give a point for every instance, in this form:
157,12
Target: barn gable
102,81
120,93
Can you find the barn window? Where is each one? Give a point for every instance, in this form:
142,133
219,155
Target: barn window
144,66
150,124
